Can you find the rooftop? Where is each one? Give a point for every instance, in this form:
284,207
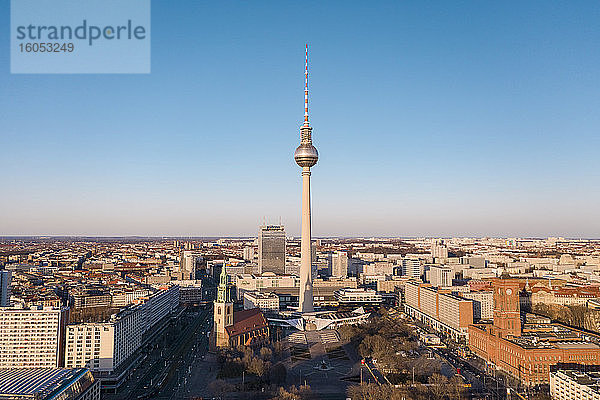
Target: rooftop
42,383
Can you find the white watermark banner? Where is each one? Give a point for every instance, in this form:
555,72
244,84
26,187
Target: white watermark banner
80,36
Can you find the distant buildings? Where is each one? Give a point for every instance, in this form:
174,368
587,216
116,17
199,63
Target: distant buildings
440,276
248,253
572,296
411,267
187,264
48,384
271,249
339,264
32,338
439,251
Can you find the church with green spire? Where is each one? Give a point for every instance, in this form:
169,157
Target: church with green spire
231,328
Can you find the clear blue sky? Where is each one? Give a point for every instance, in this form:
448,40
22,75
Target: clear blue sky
431,118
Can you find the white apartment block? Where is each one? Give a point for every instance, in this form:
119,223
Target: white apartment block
159,305
441,310
90,346
123,299
350,295
31,338
339,264
439,249
103,347
570,384
411,267
440,276
483,304
248,282
264,301
248,253
380,268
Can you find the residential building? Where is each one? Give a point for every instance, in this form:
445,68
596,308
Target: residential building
411,267
439,251
442,310
32,338
483,304
573,384
105,346
248,253
440,276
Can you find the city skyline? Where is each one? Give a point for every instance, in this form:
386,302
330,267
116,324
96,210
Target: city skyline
463,128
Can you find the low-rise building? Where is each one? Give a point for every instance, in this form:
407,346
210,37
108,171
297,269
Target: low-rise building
48,384
358,297
264,301
572,384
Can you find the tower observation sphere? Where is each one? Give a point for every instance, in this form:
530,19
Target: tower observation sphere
306,155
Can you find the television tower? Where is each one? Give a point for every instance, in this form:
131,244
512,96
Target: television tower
306,156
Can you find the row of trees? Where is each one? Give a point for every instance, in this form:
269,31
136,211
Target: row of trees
294,393
395,346
438,388
253,361
577,315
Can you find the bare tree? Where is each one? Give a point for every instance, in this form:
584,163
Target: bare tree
438,384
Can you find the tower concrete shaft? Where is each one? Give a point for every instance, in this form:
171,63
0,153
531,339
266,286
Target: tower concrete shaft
306,287
306,156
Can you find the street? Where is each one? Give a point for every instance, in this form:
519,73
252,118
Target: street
166,370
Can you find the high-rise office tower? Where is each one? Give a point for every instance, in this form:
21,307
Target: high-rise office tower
248,253
339,264
439,250
411,267
271,249
5,277
306,156
187,264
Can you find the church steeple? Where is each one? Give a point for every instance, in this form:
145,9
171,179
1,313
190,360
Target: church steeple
223,295
223,312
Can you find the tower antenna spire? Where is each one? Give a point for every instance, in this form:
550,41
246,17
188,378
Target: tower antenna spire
306,88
